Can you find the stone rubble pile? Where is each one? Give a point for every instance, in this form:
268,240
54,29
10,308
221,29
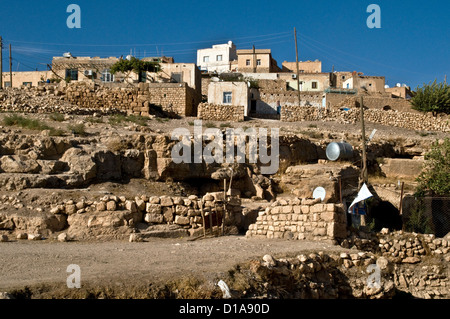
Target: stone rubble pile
319,276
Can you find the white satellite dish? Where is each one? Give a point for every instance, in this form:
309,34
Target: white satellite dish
319,192
398,85
386,86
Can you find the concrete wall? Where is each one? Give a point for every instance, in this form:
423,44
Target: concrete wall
239,93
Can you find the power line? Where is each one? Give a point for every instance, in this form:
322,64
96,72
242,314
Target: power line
147,44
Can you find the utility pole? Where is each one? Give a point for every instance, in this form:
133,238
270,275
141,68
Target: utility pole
1,64
10,66
363,178
254,59
296,60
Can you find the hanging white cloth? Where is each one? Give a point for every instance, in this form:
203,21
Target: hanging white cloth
363,194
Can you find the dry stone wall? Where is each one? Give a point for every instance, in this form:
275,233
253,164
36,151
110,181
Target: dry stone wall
300,219
407,120
87,97
215,112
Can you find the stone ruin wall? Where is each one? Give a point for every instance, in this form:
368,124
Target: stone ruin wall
213,112
300,219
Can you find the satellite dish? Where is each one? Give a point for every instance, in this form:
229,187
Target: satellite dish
215,79
386,86
319,192
404,85
398,85
129,57
67,54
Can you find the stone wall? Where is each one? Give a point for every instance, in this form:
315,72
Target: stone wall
215,112
406,120
182,216
175,98
300,219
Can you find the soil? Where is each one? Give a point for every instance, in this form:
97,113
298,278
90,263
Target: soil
123,265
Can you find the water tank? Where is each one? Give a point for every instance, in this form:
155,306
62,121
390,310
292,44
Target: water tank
339,150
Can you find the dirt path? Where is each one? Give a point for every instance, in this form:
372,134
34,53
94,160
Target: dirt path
24,263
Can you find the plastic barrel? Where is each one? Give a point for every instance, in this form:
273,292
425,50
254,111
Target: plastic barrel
339,150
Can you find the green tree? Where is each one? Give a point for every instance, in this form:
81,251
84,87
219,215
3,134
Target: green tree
433,97
435,177
134,65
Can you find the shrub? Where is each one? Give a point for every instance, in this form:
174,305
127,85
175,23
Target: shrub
435,177
433,97
78,129
58,117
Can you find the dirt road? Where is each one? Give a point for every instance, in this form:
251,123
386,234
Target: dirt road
25,263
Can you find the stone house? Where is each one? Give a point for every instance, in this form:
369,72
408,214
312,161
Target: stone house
28,78
256,61
229,93
217,59
303,66
366,83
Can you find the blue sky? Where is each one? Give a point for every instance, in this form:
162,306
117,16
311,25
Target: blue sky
411,47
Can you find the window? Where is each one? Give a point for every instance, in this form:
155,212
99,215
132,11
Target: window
177,77
219,57
206,59
27,84
142,76
227,97
258,62
72,74
247,62
370,84
107,76
314,85
7,84
343,77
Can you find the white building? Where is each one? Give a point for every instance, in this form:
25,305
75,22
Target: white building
218,58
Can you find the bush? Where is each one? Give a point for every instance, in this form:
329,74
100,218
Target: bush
78,129
433,97
435,177
58,117
417,221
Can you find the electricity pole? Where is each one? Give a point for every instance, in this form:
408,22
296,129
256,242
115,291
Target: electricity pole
1,64
296,60
10,66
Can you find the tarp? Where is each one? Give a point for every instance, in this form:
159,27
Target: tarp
363,194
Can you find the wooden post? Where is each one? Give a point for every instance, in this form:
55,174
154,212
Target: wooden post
363,178
217,219
400,207
203,218
211,221
296,60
